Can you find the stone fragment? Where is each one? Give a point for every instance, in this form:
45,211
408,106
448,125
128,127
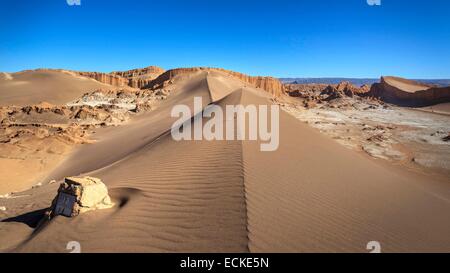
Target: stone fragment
80,194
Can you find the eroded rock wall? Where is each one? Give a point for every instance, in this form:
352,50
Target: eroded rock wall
269,84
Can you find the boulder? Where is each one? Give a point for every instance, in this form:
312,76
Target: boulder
80,194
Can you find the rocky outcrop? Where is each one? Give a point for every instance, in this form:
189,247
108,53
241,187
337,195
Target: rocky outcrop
80,194
135,78
304,90
71,122
269,84
141,77
343,89
350,90
114,80
152,76
139,83
343,95
150,71
410,93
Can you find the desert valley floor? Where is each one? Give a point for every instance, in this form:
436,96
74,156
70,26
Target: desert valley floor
348,170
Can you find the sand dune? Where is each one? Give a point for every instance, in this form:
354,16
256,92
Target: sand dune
311,195
34,86
411,93
137,134
406,85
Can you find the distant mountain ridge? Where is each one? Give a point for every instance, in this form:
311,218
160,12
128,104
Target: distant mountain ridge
357,81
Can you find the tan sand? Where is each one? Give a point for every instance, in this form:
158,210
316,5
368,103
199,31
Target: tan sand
22,166
441,108
310,195
406,85
34,86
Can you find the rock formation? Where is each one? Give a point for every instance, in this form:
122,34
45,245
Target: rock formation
135,78
324,91
343,95
80,194
150,71
405,92
152,76
269,84
349,89
304,90
111,79
141,77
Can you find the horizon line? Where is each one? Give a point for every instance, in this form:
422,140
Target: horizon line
250,74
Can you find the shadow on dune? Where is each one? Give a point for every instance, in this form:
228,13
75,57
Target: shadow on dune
31,219
122,196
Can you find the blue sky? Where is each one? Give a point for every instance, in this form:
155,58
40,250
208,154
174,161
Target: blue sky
311,38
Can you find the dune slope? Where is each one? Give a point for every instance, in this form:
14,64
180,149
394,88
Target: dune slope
53,86
312,195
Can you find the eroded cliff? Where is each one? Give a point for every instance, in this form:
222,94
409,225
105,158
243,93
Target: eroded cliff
269,84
